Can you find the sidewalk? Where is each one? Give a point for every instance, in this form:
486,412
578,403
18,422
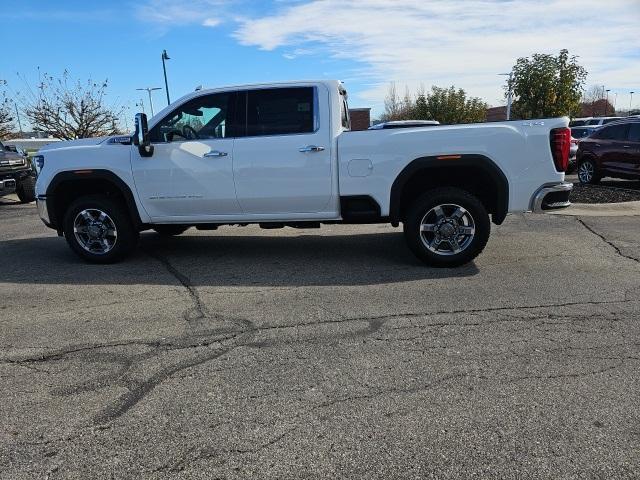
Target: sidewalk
624,209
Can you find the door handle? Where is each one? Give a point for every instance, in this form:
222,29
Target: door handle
626,146
215,153
311,148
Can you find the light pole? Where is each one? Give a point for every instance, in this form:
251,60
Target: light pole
164,69
510,75
606,103
630,100
149,90
615,102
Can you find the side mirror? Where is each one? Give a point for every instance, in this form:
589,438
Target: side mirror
141,136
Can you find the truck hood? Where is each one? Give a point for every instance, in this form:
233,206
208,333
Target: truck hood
82,142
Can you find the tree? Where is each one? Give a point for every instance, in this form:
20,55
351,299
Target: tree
70,109
546,86
594,103
396,108
450,106
446,105
6,119
6,116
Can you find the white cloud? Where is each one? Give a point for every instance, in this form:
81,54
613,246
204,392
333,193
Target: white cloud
211,22
466,43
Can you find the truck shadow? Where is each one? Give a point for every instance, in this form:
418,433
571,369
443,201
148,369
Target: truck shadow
225,260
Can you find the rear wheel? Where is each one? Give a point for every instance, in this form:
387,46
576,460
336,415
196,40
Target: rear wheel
588,172
169,230
26,190
98,229
447,227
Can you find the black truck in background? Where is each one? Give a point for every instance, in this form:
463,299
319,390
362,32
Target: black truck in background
16,175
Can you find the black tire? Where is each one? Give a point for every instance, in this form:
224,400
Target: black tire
126,236
170,230
26,190
448,198
588,172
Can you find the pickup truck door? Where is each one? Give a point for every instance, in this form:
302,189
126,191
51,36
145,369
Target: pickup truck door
191,171
283,162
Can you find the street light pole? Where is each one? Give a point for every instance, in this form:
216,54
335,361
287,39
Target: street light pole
630,100
509,97
606,104
149,90
164,69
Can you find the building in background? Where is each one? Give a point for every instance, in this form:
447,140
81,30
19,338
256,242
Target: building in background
360,118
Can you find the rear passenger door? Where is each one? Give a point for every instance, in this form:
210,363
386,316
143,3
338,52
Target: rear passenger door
612,139
632,149
282,163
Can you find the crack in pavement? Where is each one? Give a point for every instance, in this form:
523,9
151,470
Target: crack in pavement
608,242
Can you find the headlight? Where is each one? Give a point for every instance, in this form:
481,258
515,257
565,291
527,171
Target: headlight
38,162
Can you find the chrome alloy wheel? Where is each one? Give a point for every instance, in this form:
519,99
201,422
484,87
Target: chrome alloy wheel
447,229
585,172
95,231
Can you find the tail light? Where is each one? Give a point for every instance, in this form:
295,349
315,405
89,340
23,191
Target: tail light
560,145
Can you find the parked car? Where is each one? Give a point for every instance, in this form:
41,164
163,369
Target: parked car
602,120
577,134
579,122
16,175
404,124
611,151
282,155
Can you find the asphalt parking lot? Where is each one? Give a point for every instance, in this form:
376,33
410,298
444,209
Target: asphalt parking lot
331,353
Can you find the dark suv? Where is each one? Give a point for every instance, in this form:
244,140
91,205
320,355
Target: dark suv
16,175
612,151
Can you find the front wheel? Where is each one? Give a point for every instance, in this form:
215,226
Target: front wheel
447,227
98,229
27,190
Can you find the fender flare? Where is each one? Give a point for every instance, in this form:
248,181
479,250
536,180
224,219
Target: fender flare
444,161
85,176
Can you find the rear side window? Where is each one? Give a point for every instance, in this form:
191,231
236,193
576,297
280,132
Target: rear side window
280,111
613,132
609,120
344,112
634,132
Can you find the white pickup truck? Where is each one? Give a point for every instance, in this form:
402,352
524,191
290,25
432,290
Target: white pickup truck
283,154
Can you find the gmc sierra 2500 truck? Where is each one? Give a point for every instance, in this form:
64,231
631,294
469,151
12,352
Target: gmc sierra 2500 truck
282,155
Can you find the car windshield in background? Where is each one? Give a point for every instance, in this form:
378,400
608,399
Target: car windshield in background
581,132
578,123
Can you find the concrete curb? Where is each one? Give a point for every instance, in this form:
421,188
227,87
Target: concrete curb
623,209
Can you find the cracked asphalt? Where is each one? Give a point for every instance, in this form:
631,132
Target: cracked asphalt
331,353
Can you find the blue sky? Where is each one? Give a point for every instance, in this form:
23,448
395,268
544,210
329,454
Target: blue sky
367,43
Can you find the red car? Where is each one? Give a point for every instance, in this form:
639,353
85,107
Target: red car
612,151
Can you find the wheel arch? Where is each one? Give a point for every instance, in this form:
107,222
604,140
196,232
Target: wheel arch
473,173
66,186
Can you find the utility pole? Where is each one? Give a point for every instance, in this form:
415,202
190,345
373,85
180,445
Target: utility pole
630,100
149,90
164,69
606,104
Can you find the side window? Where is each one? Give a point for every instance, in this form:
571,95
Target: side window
613,132
344,112
634,132
280,111
202,118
